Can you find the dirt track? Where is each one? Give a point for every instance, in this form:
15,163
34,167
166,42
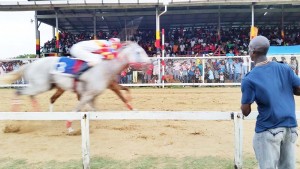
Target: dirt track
123,139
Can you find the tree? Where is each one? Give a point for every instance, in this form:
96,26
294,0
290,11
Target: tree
26,56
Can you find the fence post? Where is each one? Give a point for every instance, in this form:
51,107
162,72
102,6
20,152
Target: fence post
85,134
238,140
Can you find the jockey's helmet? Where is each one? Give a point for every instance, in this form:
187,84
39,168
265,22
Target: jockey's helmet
116,43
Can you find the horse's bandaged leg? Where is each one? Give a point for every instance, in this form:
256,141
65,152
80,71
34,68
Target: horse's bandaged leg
68,123
69,126
35,104
128,96
129,106
16,103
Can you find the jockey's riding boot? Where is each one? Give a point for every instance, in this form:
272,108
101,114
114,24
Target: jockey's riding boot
82,69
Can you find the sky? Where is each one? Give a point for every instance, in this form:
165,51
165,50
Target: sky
17,34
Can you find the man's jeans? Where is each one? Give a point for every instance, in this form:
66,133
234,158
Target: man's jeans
236,77
275,148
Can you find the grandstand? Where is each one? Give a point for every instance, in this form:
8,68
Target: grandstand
202,28
91,16
219,27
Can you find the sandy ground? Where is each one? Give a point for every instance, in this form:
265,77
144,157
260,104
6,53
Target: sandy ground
38,141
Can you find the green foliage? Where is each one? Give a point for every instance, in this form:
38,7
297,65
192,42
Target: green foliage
26,56
147,162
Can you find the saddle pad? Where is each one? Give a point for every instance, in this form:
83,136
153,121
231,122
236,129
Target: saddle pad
69,65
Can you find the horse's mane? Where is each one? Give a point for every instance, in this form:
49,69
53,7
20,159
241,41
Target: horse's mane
126,43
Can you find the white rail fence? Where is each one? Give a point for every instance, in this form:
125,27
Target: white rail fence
85,117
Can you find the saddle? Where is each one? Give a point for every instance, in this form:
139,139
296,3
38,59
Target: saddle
71,66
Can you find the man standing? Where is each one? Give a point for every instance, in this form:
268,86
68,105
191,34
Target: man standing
272,86
245,66
237,70
229,64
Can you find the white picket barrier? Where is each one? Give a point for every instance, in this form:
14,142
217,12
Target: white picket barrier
85,117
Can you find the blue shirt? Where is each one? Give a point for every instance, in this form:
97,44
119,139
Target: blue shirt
237,67
200,68
271,87
229,55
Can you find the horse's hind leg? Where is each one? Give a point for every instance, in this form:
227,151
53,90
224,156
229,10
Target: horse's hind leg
16,102
54,97
34,89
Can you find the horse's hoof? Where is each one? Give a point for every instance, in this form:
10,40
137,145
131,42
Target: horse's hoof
11,129
74,133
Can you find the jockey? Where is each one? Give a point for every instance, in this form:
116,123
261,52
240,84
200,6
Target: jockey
93,51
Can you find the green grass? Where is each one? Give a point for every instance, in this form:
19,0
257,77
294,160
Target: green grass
139,163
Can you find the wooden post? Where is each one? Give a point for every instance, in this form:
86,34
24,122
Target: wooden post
238,140
85,134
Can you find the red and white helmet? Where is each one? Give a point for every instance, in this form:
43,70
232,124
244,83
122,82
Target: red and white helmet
116,43
115,40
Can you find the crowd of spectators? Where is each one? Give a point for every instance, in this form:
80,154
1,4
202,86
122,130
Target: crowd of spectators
195,70
200,41
188,41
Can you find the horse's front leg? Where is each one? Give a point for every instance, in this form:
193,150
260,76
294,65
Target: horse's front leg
91,105
35,104
114,86
128,95
56,95
84,99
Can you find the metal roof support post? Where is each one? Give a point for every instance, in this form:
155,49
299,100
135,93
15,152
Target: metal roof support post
57,33
219,24
163,51
125,29
37,37
157,36
53,32
157,42
95,24
282,22
252,14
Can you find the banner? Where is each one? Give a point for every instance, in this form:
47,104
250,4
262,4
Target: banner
253,32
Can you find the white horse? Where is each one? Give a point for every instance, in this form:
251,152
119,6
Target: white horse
42,77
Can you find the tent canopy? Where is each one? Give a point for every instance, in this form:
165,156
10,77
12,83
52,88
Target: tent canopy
284,50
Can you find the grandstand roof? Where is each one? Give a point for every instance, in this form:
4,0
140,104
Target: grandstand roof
78,15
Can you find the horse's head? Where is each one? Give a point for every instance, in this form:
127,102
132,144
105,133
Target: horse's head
134,54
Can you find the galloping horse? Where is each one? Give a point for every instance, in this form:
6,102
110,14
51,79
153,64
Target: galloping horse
42,77
114,86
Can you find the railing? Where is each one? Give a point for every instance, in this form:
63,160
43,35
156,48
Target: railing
85,117
137,78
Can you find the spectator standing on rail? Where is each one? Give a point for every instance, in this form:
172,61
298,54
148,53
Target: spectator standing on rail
129,75
245,67
237,70
229,65
272,86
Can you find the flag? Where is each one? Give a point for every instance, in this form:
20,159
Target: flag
253,32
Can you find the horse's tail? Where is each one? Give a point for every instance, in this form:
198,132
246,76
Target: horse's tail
13,76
